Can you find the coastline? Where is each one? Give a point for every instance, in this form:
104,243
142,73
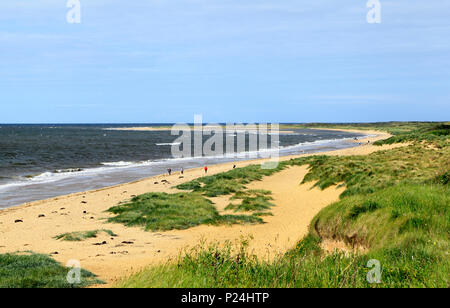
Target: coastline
116,258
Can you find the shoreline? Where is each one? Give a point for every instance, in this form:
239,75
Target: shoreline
192,163
85,211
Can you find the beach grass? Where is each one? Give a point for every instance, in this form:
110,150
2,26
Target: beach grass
229,182
405,228
364,174
82,235
30,270
252,200
163,211
395,206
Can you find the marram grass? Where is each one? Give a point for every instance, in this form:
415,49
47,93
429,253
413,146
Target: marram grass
29,270
163,211
82,235
407,232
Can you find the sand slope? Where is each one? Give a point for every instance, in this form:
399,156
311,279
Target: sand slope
133,249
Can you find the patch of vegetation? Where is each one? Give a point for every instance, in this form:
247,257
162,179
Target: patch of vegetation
443,178
366,207
435,134
229,182
411,248
82,235
38,271
162,211
251,200
364,174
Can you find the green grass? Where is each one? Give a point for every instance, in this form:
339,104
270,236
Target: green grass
251,200
229,182
365,174
407,231
37,271
435,134
234,183
443,178
162,211
82,235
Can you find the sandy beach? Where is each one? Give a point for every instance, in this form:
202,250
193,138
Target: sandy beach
33,226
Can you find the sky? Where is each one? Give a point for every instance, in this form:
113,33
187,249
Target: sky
163,61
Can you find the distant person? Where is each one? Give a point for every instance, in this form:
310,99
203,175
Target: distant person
206,169
169,171
182,170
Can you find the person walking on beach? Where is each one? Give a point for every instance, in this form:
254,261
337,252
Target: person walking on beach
206,169
182,170
169,171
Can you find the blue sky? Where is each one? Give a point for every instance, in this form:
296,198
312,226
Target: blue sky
146,61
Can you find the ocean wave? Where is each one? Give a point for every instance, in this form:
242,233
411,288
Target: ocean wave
168,143
70,170
118,164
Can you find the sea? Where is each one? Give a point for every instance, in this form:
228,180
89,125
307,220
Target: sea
43,161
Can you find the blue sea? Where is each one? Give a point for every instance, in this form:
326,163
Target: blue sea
43,161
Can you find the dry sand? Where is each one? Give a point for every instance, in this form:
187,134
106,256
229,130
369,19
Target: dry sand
134,248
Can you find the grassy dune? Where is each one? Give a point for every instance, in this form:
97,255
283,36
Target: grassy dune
82,235
405,228
162,211
38,271
396,205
